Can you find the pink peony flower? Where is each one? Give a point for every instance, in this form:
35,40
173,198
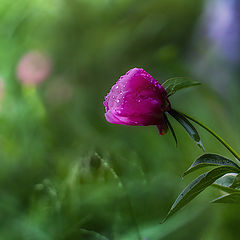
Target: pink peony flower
33,68
137,99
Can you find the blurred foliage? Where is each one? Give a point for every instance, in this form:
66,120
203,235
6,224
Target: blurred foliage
68,174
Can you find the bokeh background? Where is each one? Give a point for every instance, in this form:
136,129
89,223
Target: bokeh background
65,172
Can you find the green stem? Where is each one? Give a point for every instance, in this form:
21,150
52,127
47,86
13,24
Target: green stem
129,203
214,134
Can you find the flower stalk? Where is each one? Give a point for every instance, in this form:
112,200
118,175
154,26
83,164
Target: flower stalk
224,143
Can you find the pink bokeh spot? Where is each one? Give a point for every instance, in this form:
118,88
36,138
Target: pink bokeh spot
137,99
33,68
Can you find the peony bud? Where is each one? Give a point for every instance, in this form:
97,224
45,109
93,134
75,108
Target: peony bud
137,99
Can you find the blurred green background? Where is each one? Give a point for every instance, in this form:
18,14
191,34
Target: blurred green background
65,172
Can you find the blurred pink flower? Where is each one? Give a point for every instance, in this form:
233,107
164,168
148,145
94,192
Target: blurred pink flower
137,99
33,68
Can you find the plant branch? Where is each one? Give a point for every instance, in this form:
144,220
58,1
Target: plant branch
230,149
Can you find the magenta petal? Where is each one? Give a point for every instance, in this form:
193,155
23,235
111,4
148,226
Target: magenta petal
113,119
162,129
137,99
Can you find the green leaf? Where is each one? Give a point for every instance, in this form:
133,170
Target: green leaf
92,234
173,85
222,141
225,189
197,186
226,180
228,198
191,130
210,160
236,182
171,129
